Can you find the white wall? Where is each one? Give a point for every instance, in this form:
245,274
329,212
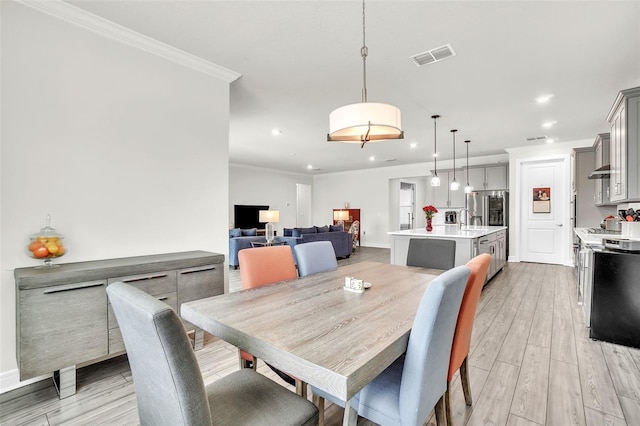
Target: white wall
127,151
253,185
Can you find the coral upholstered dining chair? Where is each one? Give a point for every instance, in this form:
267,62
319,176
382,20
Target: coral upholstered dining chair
261,266
478,266
168,382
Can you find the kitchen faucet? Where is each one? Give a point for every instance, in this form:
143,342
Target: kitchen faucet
460,222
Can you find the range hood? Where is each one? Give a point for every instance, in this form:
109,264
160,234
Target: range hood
601,172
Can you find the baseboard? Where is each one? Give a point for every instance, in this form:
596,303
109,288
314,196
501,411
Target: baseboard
385,246
10,380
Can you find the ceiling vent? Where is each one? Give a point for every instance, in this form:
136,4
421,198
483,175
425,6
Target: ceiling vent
389,160
535,138
433,55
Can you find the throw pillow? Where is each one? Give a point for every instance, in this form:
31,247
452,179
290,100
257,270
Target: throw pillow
288,232
295,233
322,228
336,228
249,232
235,232
311,230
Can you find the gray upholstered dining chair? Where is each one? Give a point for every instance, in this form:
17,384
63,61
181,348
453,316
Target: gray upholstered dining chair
414,384
314,257
169,386
431,253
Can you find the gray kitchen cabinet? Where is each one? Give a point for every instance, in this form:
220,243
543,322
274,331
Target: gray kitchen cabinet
442,196
624,152
488,177
64,318
601,186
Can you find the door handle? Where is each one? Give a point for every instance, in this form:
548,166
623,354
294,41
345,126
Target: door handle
559,225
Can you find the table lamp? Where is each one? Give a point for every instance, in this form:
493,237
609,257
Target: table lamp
340,216
270,217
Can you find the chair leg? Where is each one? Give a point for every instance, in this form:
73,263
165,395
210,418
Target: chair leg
245,364
301,388
441,419
319,402
447,405
464,378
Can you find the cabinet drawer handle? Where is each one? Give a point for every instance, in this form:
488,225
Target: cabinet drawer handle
213,268
151,277
74,287
484,241
163,298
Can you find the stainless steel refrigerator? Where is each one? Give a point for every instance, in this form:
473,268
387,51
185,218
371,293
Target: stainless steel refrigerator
488,208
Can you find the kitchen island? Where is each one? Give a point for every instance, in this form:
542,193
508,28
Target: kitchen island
470,241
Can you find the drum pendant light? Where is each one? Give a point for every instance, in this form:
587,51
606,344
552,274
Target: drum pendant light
435,180
454,183
364,122
468,188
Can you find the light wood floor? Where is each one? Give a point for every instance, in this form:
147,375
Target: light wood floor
532,363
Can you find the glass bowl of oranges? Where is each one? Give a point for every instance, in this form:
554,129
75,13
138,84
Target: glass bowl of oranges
47,244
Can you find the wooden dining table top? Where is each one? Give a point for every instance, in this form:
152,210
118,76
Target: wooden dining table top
313,329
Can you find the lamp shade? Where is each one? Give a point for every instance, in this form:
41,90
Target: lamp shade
366,121
271,216
340,215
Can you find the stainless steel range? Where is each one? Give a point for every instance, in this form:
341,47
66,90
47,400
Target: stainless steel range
623,244
602,231
615,306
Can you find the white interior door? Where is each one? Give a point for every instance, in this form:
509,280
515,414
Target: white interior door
407,205
544,217
303,201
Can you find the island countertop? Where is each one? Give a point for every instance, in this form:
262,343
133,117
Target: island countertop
449,231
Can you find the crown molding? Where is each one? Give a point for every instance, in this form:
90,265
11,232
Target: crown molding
106,28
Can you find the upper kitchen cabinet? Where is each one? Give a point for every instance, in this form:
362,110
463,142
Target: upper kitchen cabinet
442,196
493,177
624,120
602,190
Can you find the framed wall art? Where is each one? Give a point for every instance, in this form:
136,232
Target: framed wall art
542,200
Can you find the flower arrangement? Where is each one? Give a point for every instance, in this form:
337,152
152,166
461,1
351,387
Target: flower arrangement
429,211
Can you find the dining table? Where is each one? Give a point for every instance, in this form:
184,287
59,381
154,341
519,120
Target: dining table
312,328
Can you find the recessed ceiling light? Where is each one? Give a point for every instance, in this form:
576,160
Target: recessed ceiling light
309,167
551,140
413,144
276,132
543,99
372,158
549,124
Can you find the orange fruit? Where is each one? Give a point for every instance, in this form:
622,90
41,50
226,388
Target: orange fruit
41,252
34,245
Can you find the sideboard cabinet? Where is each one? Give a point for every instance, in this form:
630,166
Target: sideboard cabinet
64,318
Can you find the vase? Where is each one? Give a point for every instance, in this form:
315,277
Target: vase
429,227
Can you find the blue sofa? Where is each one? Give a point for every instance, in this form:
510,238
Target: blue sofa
242,238
341,240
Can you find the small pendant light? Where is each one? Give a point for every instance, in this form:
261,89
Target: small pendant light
454,183
468,188
435,180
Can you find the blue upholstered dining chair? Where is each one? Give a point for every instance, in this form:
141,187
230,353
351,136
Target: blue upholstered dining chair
314,257
431,253
406,392
169,386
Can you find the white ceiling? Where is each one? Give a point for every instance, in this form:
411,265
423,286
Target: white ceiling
299,60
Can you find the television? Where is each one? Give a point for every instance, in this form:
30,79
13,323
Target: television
246,217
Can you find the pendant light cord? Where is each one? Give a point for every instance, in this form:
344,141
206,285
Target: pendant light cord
364,51
454,153
435,145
